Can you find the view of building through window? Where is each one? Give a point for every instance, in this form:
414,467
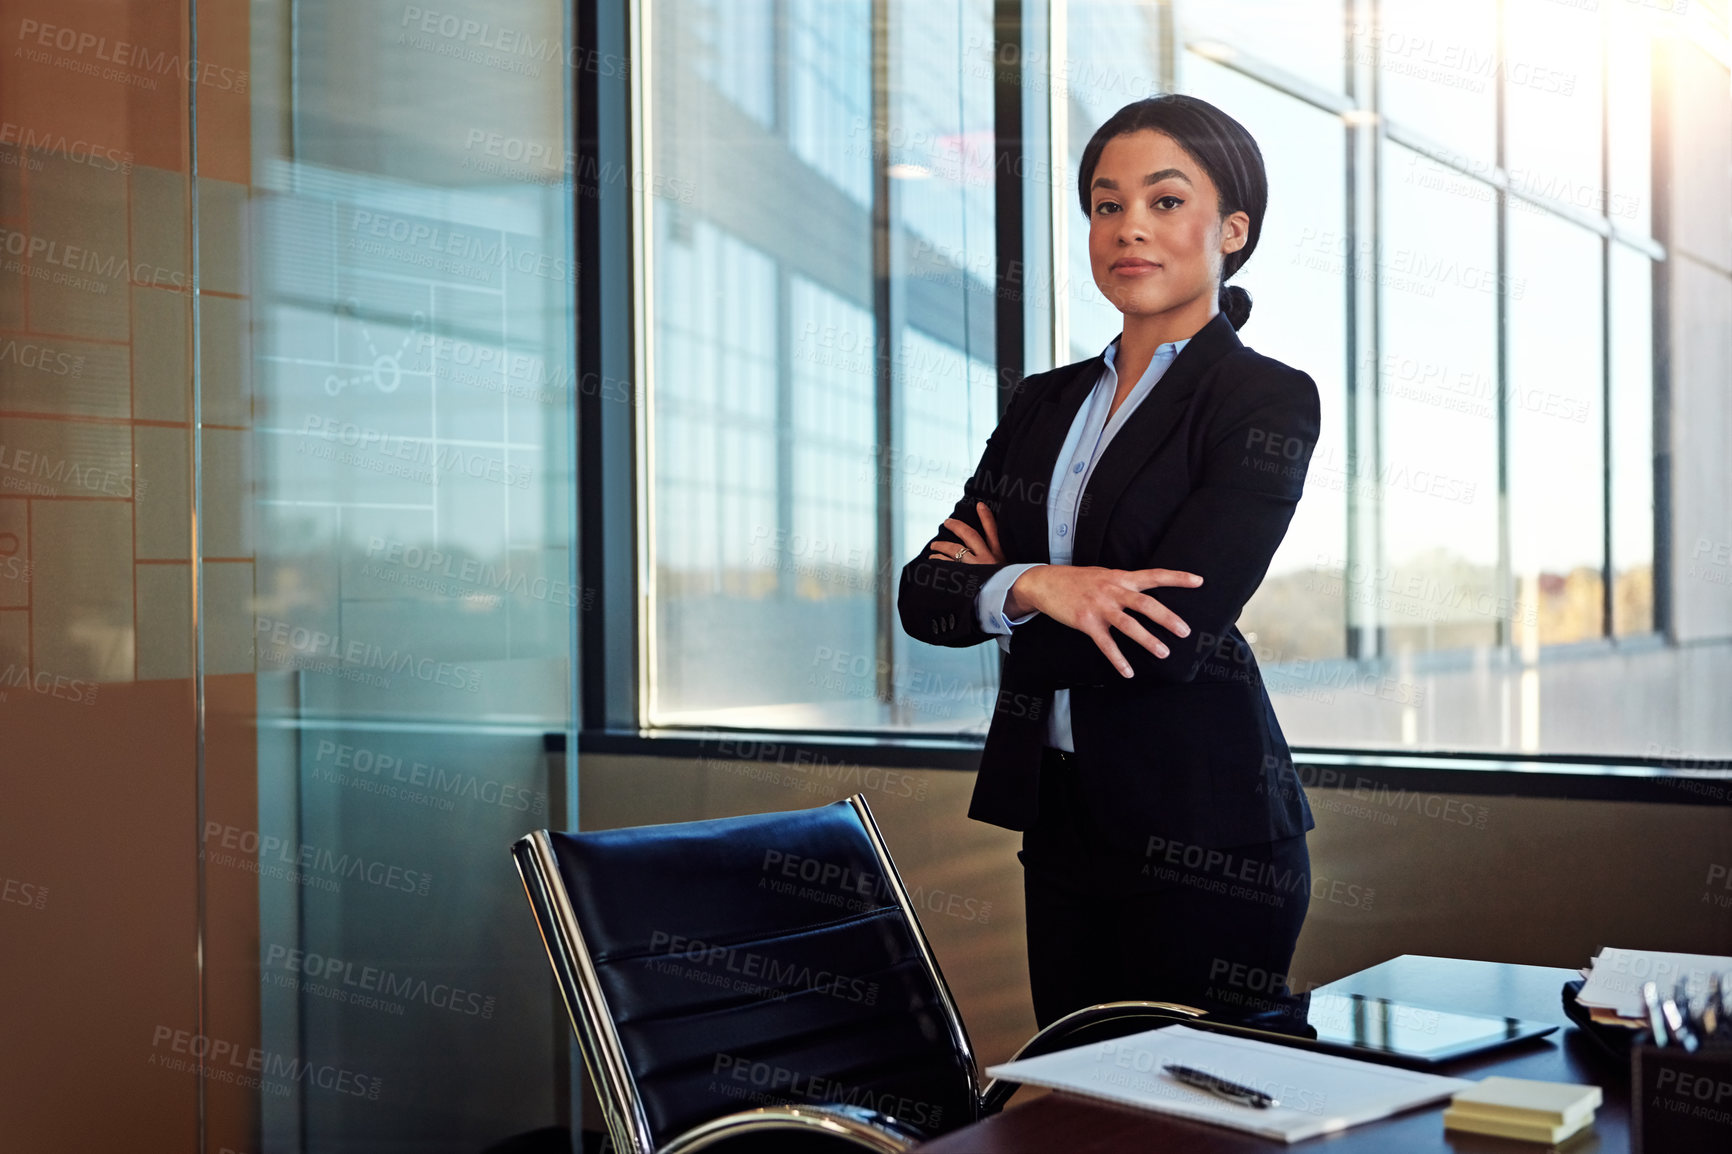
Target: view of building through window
1474,297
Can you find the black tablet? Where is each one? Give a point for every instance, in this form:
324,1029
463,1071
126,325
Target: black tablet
1380,1029
1414,1035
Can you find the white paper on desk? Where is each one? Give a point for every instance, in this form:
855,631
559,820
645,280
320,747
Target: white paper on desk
1318,1093
1615,981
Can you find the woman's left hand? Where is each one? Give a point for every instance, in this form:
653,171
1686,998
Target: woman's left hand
973,550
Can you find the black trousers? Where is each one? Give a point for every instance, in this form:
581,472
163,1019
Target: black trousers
1211,928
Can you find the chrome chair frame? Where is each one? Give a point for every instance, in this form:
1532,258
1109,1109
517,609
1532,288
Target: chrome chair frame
1110,1015
616,1089
860,1128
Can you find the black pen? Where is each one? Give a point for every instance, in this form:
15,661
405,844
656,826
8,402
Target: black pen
1232,1091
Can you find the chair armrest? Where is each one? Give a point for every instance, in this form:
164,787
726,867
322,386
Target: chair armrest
851,1128
1091,1023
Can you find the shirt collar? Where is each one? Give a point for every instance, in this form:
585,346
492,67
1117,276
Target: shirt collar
1168,349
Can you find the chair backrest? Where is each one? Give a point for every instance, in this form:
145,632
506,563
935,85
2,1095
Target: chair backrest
713,966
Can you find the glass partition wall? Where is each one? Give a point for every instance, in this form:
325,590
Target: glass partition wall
412,324
287,593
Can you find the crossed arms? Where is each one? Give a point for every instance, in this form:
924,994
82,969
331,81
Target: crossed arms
1257,448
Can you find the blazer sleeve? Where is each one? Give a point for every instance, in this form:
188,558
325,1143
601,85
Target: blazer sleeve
936,599
1226,531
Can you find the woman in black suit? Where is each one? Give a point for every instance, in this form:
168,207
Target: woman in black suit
1132,740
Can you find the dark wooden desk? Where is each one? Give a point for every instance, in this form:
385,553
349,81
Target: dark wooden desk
1076,1125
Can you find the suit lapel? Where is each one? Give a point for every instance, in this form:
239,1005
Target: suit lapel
1032,458
1143,433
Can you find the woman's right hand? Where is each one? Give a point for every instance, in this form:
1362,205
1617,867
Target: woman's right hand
1094,599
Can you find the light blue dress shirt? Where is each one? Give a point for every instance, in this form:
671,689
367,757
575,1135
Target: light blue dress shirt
1090,432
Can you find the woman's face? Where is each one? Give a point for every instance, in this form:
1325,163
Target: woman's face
1156,248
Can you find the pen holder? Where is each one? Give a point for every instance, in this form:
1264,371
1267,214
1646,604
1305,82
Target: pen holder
1679,1100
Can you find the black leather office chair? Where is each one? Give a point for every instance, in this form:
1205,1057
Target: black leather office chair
762,983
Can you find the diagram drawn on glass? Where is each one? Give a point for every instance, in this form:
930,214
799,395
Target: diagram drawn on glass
386,370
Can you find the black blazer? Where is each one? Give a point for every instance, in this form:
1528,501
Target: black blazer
1203,477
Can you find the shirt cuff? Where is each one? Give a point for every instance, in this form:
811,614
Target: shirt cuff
989,602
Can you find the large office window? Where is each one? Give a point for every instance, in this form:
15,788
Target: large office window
1460,248
1475,549
1555,426
1298,314
1432,469
822,333
1631,448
